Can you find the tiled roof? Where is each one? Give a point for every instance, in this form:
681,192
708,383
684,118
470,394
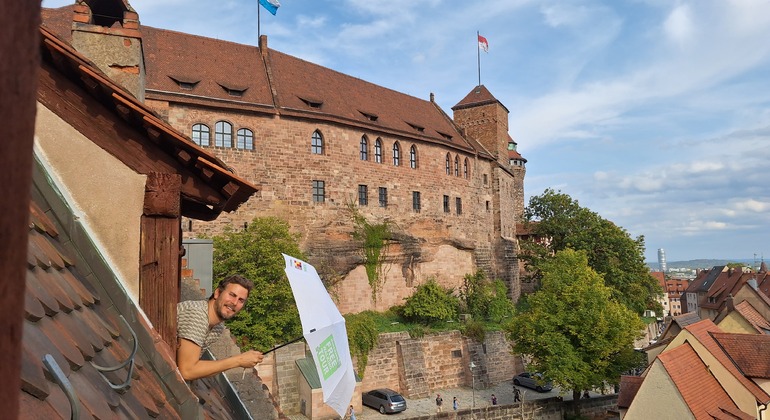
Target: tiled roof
660,277
479,95
700,390
753,316
705,280
629,386
208,187
208,64
749,352
75,321
702,332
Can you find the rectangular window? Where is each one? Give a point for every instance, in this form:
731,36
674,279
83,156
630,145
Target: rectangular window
383,197
446,204
319,194
485,179
488,206
459,205
457,353
416,201
363,195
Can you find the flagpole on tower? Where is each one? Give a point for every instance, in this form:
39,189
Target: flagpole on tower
259,31
478,55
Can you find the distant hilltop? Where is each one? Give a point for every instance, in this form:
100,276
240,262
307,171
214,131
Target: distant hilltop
703,263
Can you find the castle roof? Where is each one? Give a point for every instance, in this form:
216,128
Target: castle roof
198,70
479,95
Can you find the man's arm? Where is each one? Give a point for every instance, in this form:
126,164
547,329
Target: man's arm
192,367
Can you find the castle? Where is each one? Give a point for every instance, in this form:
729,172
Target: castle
318,143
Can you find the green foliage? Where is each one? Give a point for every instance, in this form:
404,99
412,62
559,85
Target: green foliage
373,239
484,299
575,331
362,336
610,250
270,315
430,304
475,330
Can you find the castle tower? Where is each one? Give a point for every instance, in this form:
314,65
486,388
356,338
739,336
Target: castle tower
107,32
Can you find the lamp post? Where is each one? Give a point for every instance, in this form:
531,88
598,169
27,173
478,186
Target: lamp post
473,386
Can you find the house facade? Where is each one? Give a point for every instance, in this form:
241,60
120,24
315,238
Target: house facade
321,144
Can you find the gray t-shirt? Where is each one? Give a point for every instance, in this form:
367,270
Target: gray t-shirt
192,318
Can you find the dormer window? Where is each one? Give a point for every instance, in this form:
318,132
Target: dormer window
232,90
369,116
185,82
417,127
445,135
312,102
511,145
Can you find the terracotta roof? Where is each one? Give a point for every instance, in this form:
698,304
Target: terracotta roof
660,277
59,21
127,128
702,332
77,323
727,283
753,316
629,386
705,280
749,352
701,392
479,95
208,64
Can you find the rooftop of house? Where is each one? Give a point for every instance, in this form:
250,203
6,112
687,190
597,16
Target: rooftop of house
629,386
747,351
750,314
82,322
700,390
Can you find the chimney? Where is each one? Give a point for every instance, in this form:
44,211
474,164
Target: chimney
730,302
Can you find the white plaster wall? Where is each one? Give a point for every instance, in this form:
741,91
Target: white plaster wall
106,195
658,398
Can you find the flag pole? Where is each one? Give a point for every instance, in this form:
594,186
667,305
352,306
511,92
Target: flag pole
478,55
259,31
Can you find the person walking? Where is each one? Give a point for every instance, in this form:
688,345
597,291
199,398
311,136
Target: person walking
351,413
516,395
439,403
455,404
494,399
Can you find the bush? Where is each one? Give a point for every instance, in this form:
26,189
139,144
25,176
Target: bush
475,330
431,304
362,337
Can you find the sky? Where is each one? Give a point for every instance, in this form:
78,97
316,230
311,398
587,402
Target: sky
655,114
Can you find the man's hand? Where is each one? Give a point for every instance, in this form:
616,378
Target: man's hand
191,367
249,359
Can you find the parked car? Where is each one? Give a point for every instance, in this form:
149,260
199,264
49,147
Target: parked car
385,400
532,380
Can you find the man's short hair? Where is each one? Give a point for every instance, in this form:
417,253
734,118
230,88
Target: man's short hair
237,279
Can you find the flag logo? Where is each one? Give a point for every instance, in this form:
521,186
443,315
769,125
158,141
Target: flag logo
271,5
483,44
328,357
298,265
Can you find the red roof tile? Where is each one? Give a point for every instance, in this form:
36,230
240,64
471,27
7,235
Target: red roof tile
700,390
749,352
629,386
702,332
753,316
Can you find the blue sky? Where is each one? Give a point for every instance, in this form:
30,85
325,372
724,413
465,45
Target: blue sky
653,113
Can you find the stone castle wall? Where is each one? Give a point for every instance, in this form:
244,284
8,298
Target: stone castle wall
428,243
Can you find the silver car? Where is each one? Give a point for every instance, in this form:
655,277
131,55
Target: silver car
385,400
532,380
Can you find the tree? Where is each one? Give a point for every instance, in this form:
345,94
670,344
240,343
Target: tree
484,299
578,336
562,223
270,315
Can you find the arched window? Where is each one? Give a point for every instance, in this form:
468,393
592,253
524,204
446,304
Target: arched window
364,148
244,139
223,134
448,165
466,172
317,143
201,134
378,151
413,157
457,165
396,154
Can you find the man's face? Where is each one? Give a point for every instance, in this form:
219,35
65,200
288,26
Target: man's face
230,301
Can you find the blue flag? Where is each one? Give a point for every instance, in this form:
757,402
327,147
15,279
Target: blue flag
271,5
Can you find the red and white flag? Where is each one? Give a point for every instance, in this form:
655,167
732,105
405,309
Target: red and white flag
483,44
